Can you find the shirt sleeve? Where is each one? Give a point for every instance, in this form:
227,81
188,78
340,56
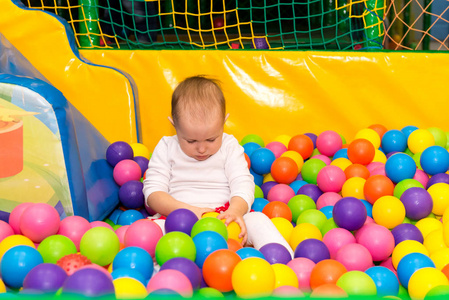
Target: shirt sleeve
241,182
157,175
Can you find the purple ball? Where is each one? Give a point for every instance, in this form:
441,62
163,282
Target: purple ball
142,162
117,152
276,253
180,220
45,277
311,190
313,137
266,187
438,178
187,267
88,282
417,202
131,195
406,231
313,249
391,153
349,213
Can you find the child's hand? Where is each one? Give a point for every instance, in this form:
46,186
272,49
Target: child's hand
200,211
231,216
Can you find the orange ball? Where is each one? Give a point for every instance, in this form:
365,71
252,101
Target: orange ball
357,170
379,128
248,161
302,144
377,186
326,271
277,209
234,245
218,267
329,291
361,151
284,170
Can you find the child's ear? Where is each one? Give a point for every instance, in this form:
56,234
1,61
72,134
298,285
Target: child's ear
226,117
171,121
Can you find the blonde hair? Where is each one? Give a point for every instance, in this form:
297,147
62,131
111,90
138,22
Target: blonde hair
198,97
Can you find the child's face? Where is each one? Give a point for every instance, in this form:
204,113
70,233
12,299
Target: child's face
200,139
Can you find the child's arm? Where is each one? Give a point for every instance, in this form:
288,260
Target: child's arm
237,208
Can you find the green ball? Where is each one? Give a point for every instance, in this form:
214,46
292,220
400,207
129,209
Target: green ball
407,221
100,245
258,193
328,225
208,292
109,221
439,135
404,185
252,138
403,293
211,224
417,158
311,168
116,226
315,152
312,216
54,247
408,151
343,140
447,138
300,203
175,244
357,283
438,292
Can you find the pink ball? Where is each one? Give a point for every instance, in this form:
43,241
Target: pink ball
421,176
336,238
74,228
331,179
126,170
5,230
280,192
380,170
100,224
324,158
354,257
171,279
39,221
303,268
373,165
287,291
277,148
377,239
329,142
144,234
16,213
369,220
120,232
327,199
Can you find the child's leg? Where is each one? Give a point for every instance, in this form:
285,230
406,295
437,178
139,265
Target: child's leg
261,231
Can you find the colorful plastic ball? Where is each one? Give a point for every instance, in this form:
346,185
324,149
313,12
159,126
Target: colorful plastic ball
45,277
209,224
421,177
386,281
145,234
72,262
407,247
407,130
218,268
328,291
74,227
354,257
312,249
377,186
328,142
39,221
280,192
440,196
284,276
277,148
336,238
310,170
266,187
118,151
400,166
434,160
417,202
187,267
440,258
405,184
253,277
175,244
331,179
129,216
180,220
419,140
325,272
246,252
100,245
130,194
434,241
276,209
303,268
275,253
388,211
357,170
438,178
252,138
361,151
342,153
140,150
357,283
234,245
54,247
300,203
88,282
143,164
296,157
171,279
302,144
284,227
5,230
287,291
208,292
327,199
353,187
377,239
101,224
423,280
439,136
349,213
17,262
394,141
207,242
313,216
261,160
369,208
126,170
16,214
129,288
410,263
438,292
259,204
134,258
128,272
284,170
303,232
370,135
250,147
311,190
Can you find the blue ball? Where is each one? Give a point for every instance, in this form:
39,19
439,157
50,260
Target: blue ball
342,153
369,208
394,141
434,160
129,216
246,252
259,204
410,263
327,211
258,179
17,262
407,130
128,272
297,184
249,148
207,242
135,258
115,215
387,283
261,160
400,166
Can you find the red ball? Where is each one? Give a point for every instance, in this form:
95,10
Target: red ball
357,170
379,128
377,186
72,262
248,161
302,144
218,267
218,23
326,271
277,209
284,170
361,151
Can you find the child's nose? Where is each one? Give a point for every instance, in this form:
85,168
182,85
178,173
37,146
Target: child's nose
201,148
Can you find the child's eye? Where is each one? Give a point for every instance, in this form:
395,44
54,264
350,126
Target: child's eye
211,140
190,142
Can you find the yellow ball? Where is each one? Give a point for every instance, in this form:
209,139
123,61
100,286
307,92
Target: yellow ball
427,225
446,216
234,231
2,287
283,226
440,196
253,277
284,139
379,156
419,140
434,241
423,280
388,211
303,232
341,162
212,214
129,288
12,241
296,157
353,187
140,150
370,135
407,247
284,275
267,178
440,258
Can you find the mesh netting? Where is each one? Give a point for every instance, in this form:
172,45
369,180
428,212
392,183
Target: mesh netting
268,24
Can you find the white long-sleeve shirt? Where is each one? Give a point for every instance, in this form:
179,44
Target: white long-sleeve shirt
209,183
